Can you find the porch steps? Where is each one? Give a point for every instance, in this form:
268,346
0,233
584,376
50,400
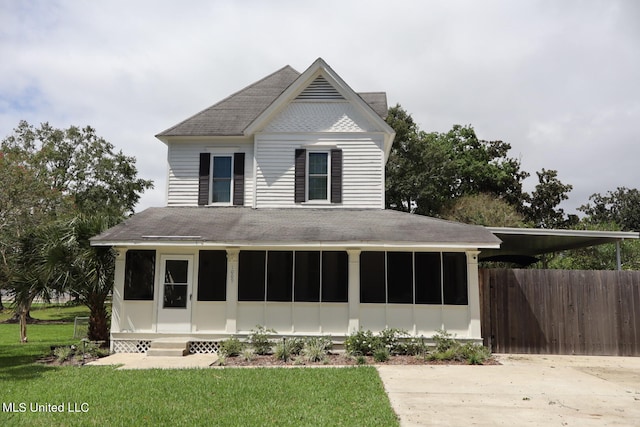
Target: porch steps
176,347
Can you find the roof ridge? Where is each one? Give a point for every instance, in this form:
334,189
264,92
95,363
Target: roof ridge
286,67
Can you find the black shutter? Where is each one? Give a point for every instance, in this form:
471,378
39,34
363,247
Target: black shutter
238,179
300,175
336,176
203,183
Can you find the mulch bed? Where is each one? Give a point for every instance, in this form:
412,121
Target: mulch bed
338,359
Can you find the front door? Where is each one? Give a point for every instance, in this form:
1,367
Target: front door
174,311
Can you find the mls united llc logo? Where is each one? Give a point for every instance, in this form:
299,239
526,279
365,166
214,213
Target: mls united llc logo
68,407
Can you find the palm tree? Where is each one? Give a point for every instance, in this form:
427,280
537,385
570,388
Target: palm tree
84,269
59,257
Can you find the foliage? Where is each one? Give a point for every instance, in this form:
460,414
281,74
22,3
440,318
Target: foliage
231,347
541,207
444,341
316,348
78,164
56,175
381,355
63,353
362,343
426,172
475,354
448,348
260,341
248,354
484,209
621,207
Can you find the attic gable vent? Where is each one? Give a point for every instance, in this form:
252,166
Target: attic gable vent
320,88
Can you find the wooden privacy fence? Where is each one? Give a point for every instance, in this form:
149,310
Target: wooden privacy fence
561,311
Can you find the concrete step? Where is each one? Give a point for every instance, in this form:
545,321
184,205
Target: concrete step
171,352
169,347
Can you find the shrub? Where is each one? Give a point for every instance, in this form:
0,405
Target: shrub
222,359
259,340
361,360
381,354
288,347
362,343
392,339
248,354
444,341
475,354
63,353
316,348
231,347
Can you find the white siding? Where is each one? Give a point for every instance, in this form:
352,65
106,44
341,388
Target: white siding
362,173
319,117
184,159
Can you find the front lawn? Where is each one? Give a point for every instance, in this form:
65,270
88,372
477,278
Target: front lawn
98,395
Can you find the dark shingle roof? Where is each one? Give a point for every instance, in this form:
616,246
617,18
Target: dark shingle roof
232,115
246,226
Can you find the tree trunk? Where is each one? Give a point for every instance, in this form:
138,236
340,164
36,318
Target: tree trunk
98,322
23,323
1,305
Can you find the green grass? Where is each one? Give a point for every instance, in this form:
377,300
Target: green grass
211,397
53,312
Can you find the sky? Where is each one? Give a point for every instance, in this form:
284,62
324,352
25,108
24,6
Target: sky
559,81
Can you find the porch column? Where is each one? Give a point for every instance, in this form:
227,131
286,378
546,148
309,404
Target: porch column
232,289
117,298
354,289
474,295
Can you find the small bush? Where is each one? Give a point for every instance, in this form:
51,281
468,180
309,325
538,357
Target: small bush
444,341
362,343
475,354
63,353
259,340
222,359
381,355
315,348
288,347
248,354
361,360
392,339
231,347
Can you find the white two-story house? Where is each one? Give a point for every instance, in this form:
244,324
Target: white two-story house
275,217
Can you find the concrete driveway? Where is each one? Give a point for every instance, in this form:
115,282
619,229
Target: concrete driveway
526,390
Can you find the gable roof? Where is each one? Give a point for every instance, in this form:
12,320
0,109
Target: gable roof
234,114
358,228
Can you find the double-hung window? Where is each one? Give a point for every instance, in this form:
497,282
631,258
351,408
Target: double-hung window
318,176
221,179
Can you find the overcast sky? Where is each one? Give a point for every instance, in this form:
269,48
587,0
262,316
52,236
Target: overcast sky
558,80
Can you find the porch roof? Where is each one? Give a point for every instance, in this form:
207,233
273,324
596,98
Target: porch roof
242,226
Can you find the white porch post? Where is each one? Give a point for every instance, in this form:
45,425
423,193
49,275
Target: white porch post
117,299
232,290
354,289
474,295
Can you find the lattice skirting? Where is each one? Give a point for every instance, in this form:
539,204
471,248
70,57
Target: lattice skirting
131,346
203,347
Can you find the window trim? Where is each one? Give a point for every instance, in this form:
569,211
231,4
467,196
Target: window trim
211,179
308,175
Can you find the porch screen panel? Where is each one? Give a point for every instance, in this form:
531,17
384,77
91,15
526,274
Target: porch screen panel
251,275
335,276
212,276
428,278
400,277
372,277
279,276
307,276
139,276
454,276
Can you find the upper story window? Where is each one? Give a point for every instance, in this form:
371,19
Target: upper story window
318,176
221,179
